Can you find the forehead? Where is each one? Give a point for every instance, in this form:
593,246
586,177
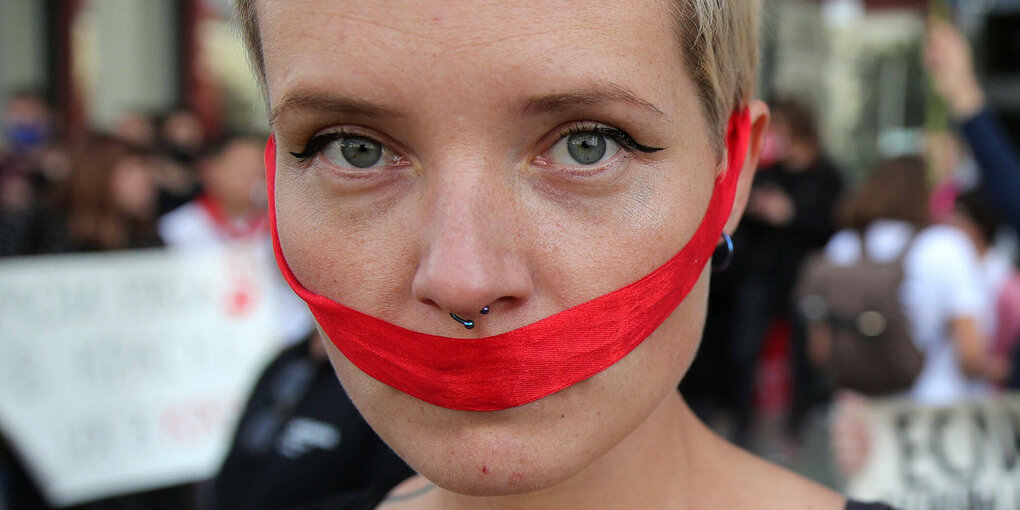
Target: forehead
391,46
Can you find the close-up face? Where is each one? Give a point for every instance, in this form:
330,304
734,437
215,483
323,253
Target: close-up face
449,157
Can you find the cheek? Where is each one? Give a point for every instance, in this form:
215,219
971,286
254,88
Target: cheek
671,348
366,264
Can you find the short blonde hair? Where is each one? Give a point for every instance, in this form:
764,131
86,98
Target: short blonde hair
720,37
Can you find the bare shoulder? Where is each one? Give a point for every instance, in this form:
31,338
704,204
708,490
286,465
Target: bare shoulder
741,480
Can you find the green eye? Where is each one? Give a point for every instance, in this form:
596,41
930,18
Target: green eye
356,151
586,148
583,148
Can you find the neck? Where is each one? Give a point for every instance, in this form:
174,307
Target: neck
236,211
229,210
649,469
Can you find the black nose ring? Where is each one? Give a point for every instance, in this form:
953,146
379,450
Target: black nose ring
468,324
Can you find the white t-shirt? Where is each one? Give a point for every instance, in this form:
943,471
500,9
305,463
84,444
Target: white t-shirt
942,281
192,226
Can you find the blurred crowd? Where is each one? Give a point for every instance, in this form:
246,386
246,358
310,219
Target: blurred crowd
946,217
116,190
163,180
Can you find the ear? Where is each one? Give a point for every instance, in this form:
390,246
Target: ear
759,113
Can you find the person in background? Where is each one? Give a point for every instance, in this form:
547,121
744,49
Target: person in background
300,439
952,170
110,197
136,128
950,62
789,214
231,206
109,203
944,295
975,217
181,138
31,166
27,124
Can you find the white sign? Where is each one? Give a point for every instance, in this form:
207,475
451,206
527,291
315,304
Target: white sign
123,372
960,458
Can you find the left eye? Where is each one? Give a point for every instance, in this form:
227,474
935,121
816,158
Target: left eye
583,148
355,151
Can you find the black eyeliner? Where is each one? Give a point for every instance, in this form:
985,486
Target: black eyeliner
316,144
624,139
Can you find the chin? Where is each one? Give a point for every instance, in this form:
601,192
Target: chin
479,475
513,451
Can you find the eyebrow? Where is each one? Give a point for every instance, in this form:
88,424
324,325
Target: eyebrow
545,104
610,92
331,103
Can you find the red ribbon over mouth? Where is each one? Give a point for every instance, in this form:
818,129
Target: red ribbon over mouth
533,361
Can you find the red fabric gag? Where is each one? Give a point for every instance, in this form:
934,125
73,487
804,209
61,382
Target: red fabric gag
533,361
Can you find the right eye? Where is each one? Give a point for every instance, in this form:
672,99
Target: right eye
584,148
349,151
355,151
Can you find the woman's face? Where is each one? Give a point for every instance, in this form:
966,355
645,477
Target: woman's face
458,155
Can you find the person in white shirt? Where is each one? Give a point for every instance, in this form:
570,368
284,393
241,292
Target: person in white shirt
232,208
232,205
976,217
944,294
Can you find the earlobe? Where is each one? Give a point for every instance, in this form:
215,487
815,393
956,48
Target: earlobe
759,113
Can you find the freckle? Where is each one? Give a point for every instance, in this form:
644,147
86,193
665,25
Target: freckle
485,470
516,478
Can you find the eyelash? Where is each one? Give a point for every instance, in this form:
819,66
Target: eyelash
319,142
617,135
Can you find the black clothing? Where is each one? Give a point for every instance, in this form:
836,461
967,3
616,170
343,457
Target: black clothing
777,251
999,162
854,505
167,200
365,499
767,260
300,438
36,230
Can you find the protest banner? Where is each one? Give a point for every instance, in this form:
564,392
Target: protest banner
965,457
122,372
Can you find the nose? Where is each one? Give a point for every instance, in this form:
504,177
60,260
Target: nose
470,262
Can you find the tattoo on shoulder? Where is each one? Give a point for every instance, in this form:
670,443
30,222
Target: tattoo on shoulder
396,498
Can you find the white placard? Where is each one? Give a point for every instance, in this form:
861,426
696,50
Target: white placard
961,458
124,372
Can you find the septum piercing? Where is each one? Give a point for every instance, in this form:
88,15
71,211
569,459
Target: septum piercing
468,324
